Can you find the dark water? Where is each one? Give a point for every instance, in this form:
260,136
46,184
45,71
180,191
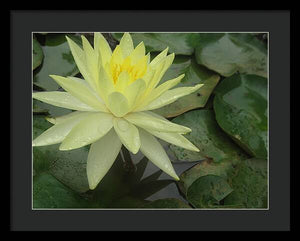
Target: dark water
171,190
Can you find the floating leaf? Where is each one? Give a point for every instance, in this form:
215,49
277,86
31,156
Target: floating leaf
205,184
212,142
37,54
241,109
250,183
228,184
37,109
178,43
57,60
227,53
51,110
208,191
48,192
194,74
69,167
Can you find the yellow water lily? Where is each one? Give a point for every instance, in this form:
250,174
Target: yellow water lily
112,105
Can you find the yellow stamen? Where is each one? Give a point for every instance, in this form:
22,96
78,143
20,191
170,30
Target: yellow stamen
135,71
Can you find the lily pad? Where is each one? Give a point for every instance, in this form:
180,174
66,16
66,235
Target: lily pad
250,184
51,110
69,167
178,43
241,109
208,191
205,168
212,142
37,109
228,184
205,184
48,192
37,54
58,60
227,53
194,74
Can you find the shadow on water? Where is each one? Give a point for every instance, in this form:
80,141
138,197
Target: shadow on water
133,181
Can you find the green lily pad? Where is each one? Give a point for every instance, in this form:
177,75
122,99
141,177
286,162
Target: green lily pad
208,191
69,167
37,54
58,60
205,184
51,110
241,109
205,168
194,74
212,142
228,184
227,53
250,184
40,124
37,109
48,192
178,43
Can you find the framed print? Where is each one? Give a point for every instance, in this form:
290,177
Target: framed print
170,125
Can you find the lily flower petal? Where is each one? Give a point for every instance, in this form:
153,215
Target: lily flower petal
80,60
118,104
168,62
165,86
102,47
138,53
159,57
117,57
126,44
106,85
169,97
58,132
91,58
161,68
134,90
153,150
80,90
62,99
101,156
87,131
159,91
123,81
59,119
128,134
175,139
147,121
155,75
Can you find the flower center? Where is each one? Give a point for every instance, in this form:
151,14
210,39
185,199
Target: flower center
135,71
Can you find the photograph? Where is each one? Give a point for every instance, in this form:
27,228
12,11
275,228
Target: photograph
150,120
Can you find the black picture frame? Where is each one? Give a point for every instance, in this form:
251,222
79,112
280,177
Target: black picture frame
23,23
